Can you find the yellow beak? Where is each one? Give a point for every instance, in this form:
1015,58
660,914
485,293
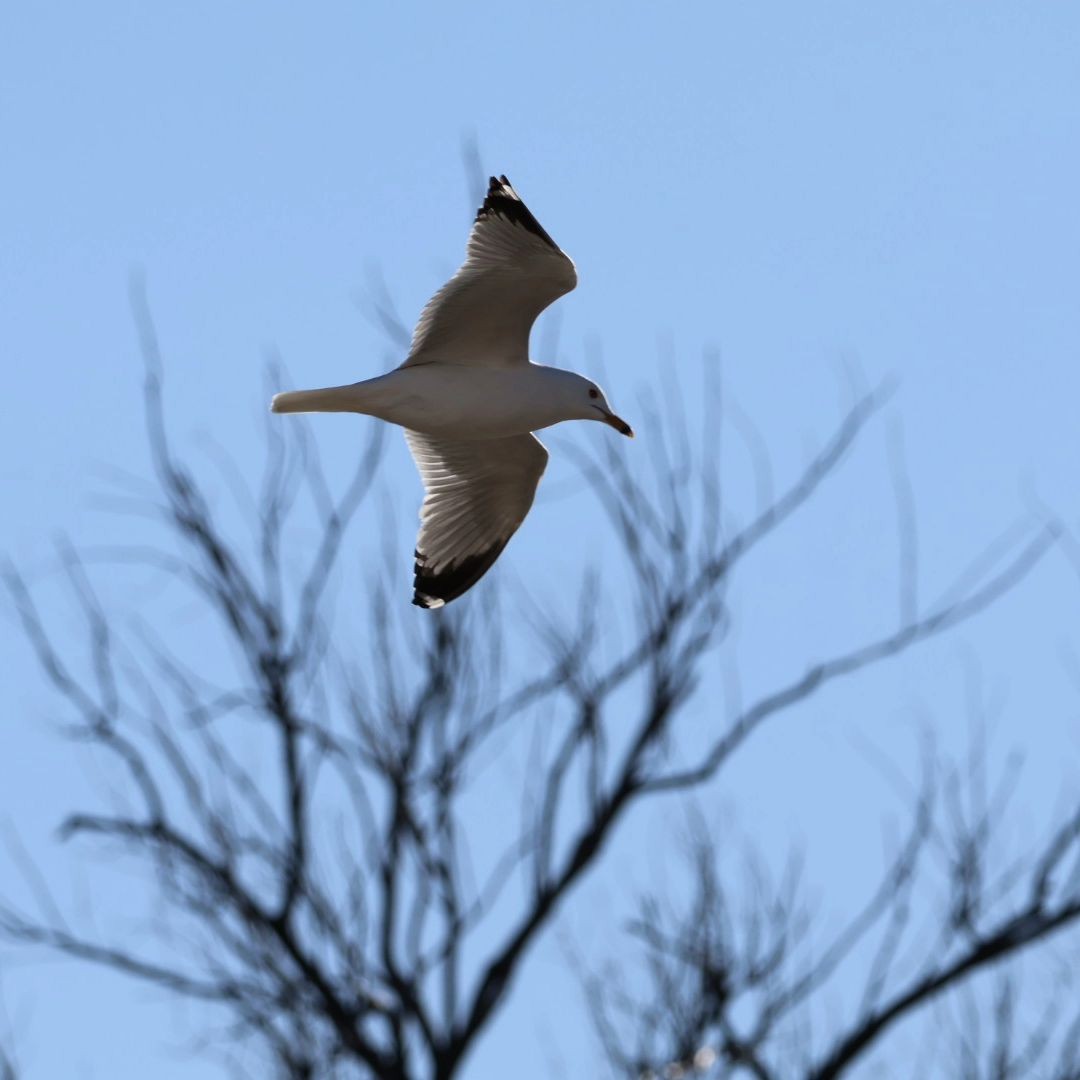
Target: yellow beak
620,425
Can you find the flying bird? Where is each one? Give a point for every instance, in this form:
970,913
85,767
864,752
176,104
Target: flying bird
469,398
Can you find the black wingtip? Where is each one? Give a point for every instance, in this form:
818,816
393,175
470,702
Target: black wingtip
503,201
433,590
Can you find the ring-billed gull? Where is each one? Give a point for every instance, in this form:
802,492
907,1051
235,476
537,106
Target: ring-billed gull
469,398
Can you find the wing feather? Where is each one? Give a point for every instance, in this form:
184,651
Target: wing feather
476,496
512,271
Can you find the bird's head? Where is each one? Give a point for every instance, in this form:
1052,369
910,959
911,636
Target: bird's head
586,401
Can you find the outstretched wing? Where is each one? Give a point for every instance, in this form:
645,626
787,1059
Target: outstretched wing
476,496
512,271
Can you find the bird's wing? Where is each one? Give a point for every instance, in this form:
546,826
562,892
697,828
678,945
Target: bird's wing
476,495
512,271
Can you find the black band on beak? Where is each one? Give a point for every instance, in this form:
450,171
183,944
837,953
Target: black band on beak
617,422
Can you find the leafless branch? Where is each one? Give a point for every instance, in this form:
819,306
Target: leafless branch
725,993
301,796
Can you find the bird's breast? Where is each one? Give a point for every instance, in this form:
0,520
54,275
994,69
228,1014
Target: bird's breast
466,402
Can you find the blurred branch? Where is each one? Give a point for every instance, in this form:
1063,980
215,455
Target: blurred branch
738,992
302,796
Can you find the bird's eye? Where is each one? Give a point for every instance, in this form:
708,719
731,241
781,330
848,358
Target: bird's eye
593,392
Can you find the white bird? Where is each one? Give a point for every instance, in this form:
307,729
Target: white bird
469,398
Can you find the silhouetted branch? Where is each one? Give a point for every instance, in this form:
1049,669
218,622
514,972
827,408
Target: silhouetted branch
734,996
302,796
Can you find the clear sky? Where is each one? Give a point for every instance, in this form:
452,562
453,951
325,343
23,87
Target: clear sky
796,185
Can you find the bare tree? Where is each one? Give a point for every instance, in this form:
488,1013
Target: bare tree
732,983
303,800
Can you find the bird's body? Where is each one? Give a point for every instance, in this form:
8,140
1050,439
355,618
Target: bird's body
469,398
454,400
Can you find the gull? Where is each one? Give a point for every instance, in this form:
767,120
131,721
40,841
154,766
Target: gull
469,398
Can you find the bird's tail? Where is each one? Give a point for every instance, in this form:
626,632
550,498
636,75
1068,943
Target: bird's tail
332,399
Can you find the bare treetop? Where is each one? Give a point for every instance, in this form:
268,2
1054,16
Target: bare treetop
307,820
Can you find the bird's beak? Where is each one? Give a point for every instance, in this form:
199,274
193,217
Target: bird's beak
620,425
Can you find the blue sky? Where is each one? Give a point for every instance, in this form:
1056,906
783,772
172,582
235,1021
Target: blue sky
800,187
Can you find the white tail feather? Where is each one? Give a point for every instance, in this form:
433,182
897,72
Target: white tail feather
332,399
